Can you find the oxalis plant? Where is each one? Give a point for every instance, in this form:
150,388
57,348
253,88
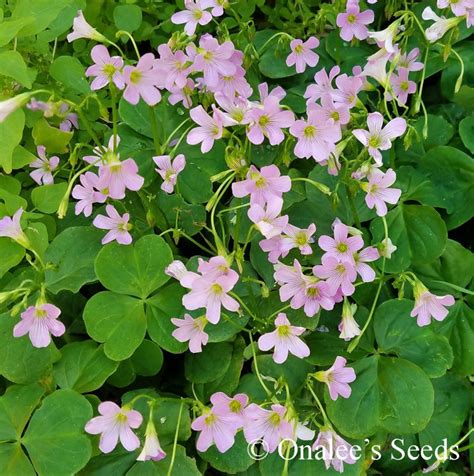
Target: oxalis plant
234,237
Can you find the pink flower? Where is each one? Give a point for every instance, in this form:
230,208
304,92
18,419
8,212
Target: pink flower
10,105
401,86
236,108
216,5
458,7
379,192
385,38
408,61
376,66
274,247
269,426
300,238
40,322
302,55
234,84
342,246
191,330
428,305
175,66
268,121
336,451
182,94
367,255
263,186
115,423
82,29
11,228
118,176
348,88
211,292
143,81
118,226
193,16
268,220
103,154
328,111
88,193
106,68
215,429
337,378
212,59
314,296
379,138
151,449
323,84
44,167
353,22
348,327
169,171
284,339
316,137
233,409
337,274
209,130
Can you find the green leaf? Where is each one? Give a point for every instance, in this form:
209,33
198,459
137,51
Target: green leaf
396,331
451,408
43,12
20,362
21,157
389,394
417,231
118,321
55,140
233,461
165,417
55,437
128,17
458,326
83,367
13,66
440,131
14,462
16,406
208,365
455,266
466,131
11,132
69,71
47,198
160,308
138,269
11,252
70,271
9,28
147,359
451,174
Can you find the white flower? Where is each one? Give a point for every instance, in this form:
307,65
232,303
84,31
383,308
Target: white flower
82,29
440,26
11,105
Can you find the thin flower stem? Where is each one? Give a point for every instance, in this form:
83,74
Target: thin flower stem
318,402
167,141
154,130
262,383
356,341
126,33
175,441
89,129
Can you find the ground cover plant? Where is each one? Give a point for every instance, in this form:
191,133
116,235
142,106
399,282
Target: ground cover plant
234,237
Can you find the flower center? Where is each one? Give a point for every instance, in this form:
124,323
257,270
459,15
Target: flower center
342,247
374,142
274,419
351,18
309,131
335,116
298,49
284,331
197,14
135,76
41,314
121,418
208,55
216,288
312,292
123,226
301,238
340,268
109,69
210,419
404,85
263,121
235,406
